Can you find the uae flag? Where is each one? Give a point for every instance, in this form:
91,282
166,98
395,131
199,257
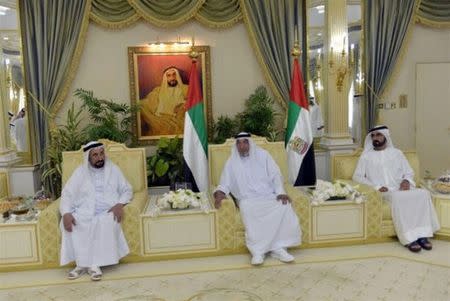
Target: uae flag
195,141
299,138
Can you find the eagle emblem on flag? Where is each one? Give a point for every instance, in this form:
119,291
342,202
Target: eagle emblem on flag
298,145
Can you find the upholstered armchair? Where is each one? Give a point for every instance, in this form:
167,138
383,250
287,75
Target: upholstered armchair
230,227
133,165
380,220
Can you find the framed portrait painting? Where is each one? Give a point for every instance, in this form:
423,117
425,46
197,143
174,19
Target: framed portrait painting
159,81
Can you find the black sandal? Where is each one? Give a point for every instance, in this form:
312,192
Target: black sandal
425,243
414,247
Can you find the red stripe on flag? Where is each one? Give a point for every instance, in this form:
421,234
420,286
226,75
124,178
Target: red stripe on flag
194,95
297,87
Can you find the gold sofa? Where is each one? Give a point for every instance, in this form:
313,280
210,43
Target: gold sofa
343,167
132,163
230,226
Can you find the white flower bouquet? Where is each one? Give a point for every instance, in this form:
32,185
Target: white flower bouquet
338,190
182,199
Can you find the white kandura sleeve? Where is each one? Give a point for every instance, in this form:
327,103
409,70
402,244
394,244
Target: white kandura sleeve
69,192
277,179
407,171
225,179
360,173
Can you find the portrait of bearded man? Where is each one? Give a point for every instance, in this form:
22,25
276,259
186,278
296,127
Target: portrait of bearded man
162,110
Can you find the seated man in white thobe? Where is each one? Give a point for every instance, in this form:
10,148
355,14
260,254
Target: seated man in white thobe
254,179
384,167
92,208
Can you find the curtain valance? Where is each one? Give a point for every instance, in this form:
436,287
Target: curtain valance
170,13
434,13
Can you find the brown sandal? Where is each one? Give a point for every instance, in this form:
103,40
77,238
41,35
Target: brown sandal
414,247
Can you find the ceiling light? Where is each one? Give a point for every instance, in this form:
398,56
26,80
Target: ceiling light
320,9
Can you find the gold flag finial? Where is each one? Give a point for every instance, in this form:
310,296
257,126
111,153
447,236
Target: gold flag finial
193,53
296,49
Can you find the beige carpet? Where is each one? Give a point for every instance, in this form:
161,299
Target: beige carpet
368,272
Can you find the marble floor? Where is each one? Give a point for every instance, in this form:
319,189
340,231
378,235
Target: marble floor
384,271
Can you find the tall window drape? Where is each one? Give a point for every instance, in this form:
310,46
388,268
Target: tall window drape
270,27
51,32
386,24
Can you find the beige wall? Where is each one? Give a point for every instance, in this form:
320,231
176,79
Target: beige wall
235,70
424,45
104,67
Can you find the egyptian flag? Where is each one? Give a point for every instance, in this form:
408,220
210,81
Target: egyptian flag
299,138
195,142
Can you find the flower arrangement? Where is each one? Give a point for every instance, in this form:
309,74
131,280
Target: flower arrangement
182,199
326,190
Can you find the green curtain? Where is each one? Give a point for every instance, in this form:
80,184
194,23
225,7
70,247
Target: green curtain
113,13
219,13
434,13
168,13
270,26
50,32
386,24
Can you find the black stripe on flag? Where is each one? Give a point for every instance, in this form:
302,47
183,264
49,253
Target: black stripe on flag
189,177
307,173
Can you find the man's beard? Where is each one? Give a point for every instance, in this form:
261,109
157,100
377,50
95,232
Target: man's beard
172,83
244,154
99,164
377,143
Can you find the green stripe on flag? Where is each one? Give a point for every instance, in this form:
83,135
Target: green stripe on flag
293,114
196,114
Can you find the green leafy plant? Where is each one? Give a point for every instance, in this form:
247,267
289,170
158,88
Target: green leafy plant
166,165
259,115
110,120
67,137
224,128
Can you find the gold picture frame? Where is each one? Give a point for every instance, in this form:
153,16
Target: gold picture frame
159,80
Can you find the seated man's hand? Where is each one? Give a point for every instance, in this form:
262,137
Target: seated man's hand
404,185
117,210
218,197
383,189
68,221
283,198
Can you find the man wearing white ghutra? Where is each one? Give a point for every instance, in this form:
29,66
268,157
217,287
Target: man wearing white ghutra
253,177
385,168
91,207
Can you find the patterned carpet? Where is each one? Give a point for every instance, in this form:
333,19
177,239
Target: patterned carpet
315,275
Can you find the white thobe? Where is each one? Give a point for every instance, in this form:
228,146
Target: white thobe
316,120
256,182
20,134
412,210
96,239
